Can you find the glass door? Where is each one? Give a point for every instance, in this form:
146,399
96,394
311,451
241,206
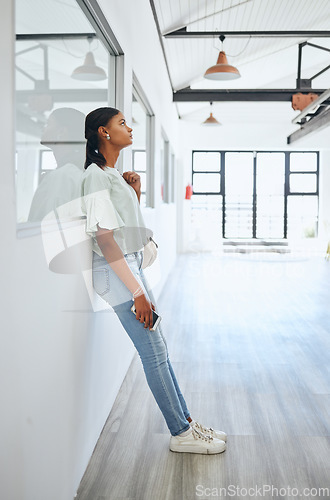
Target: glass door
270,195
303,190
238,195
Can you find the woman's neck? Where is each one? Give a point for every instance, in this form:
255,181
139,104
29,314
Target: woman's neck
110,154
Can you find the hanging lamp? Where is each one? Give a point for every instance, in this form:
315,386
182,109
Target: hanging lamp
222,70
89,71
211,120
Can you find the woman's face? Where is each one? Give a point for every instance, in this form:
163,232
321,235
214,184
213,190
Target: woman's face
120,133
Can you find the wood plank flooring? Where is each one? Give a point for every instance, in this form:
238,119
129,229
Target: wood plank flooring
249,340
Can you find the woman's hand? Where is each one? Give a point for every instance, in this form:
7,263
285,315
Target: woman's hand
134,180
143,310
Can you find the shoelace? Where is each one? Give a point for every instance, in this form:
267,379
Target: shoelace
199,435
207,430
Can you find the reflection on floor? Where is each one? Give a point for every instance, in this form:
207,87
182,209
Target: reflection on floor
245,245
249,340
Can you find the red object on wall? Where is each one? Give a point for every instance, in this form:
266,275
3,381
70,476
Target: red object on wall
189,191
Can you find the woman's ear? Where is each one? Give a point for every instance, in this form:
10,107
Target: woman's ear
102,131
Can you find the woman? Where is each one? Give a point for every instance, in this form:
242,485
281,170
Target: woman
115,222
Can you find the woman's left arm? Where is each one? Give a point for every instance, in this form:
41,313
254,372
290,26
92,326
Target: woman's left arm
133,179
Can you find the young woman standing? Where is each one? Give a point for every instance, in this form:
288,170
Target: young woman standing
115,222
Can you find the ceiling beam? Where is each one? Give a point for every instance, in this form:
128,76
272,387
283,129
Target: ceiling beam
183,33
316,123
214,95
54,36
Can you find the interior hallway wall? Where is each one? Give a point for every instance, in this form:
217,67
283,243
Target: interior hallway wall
62,364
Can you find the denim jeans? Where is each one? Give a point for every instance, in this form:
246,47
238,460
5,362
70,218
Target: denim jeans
151,345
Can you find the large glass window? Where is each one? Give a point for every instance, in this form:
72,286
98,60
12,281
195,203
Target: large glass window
164,158
63,71
302,207
172,178
167,167
207,199
206,161
270,184
266,195
238,195
206,172
143,142
302,216
139,125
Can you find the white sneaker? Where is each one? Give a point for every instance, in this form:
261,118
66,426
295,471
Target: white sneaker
197,442
209,431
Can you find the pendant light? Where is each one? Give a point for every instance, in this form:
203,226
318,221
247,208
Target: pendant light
89,71
222,70
211,120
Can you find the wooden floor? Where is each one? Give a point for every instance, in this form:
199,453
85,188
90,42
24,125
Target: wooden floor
249,340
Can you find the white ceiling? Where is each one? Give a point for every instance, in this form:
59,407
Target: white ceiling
50,16
262,62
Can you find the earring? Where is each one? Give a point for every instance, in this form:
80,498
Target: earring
108,137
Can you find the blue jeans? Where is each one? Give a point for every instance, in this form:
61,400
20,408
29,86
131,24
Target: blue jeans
151,345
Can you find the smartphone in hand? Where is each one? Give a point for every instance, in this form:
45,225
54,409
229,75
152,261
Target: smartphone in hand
155,318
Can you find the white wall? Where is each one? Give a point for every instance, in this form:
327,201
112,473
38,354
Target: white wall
61,363
11,450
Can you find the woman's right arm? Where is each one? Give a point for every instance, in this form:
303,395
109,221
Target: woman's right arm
116,260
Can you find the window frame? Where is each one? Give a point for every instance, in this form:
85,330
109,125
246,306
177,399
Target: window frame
167,167
287,192
141,97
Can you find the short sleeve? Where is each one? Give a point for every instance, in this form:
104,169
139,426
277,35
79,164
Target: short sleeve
97,205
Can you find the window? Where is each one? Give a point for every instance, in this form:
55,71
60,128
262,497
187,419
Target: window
207,204
163,166
55,89
47,162
206,161
303,183
238,195
143,148
259,194
173,175
167,170
270,191
139,160
303,190
303,162
140,167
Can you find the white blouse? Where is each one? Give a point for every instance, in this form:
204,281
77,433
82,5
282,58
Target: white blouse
109,201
